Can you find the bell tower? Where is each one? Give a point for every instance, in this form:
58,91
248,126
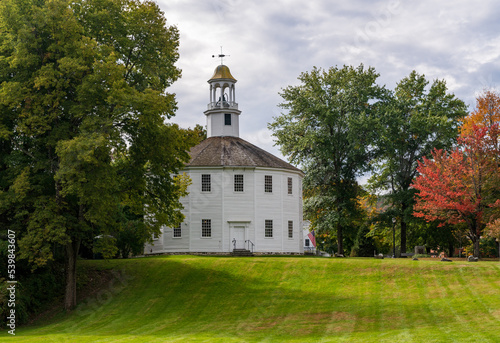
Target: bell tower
222,112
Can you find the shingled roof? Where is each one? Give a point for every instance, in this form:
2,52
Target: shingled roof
233,152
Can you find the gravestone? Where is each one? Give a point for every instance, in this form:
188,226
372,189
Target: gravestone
472,259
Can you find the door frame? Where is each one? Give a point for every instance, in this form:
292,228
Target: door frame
238,225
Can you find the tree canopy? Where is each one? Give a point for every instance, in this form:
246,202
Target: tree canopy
328,128
417,119
463,186
486,113
456,187
82,127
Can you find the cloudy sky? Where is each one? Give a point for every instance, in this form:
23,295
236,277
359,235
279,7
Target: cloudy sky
271,42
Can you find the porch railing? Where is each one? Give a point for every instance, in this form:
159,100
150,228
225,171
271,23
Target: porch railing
223,104
249,244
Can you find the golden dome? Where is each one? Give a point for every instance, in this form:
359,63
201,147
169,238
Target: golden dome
222,72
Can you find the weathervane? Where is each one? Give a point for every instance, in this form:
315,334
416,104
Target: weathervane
221,56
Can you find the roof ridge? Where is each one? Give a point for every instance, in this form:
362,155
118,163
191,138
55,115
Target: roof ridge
245,152
202,150
223,151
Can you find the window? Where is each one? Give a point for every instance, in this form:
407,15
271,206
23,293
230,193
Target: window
206,184
227,118
156,236
238,183
307,242
290,229
268,232
290,185
268,183
177,232
206,228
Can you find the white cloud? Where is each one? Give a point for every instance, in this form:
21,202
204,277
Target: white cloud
271,42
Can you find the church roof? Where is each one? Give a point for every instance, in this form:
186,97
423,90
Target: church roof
233,152
222,72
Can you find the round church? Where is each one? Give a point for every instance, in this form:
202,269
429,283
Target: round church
242,199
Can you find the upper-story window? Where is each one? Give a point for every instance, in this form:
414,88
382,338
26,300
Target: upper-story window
268,183
290,185
206,183
227,118
238,183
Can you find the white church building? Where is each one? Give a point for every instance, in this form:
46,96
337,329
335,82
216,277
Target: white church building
241,196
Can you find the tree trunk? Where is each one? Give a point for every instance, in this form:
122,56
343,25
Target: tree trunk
451,248
340,240
403,229
71,257
474,236
476,246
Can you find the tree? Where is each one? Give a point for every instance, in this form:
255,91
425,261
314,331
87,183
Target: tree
486,113
416,121
201,131
455,187
329,131
82,129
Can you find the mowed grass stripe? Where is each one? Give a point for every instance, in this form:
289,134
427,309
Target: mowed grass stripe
276,299
448,297
430,310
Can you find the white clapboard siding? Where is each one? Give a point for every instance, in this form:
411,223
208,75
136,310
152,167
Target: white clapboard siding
229,210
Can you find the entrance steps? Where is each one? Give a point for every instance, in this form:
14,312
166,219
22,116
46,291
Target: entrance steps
241,252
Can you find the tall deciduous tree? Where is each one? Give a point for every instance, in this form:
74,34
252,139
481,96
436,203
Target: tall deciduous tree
329,129
455,187
487,114
83,104
416,121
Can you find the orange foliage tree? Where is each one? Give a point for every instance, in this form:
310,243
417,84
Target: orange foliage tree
461,186
493,227
487,112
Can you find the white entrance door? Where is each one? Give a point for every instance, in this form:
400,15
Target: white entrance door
239,237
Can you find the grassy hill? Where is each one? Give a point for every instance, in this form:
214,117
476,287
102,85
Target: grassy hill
282,299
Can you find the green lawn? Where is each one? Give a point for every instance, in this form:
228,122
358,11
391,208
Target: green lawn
283,299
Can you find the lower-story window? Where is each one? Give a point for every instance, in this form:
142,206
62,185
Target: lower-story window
290,229
206,228
268,231
177,232
156,236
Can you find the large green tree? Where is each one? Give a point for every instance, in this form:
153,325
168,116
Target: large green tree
417,120
329,129
82,126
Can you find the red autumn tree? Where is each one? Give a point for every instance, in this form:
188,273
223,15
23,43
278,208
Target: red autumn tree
493,227
461,186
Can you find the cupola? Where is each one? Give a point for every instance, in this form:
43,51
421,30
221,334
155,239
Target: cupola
222,112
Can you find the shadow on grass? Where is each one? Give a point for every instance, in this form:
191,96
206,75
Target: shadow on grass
246,298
